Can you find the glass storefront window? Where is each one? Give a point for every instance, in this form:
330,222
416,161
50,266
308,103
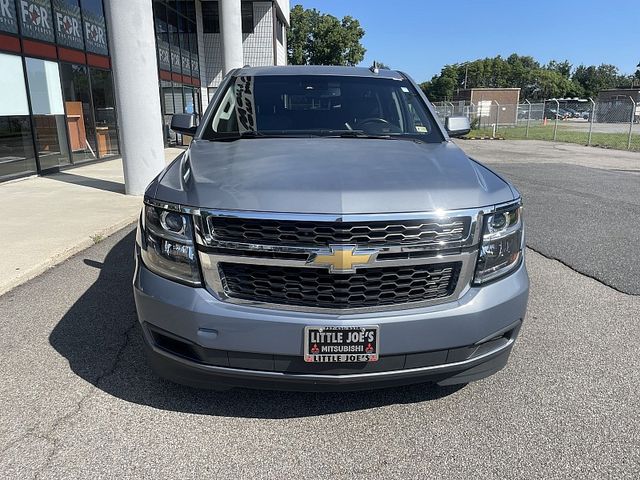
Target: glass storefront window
36,19
95,30
104,112
189,100
17,156
178,99
174,39
162,35
68,22
48,113
166,97
8,17
77,101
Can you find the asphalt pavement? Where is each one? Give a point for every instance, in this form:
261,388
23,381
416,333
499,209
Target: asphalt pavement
78,400
582,204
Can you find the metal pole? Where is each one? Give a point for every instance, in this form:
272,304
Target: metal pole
591,117
481,102
526,135
633,114
466,72
452,108
555,127
497,118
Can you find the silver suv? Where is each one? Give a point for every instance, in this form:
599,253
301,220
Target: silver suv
322,232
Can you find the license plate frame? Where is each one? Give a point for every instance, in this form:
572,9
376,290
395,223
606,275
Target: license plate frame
326,346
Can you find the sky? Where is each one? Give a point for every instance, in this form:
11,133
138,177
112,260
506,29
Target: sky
421,36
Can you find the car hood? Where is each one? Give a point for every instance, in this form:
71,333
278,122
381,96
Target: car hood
330,175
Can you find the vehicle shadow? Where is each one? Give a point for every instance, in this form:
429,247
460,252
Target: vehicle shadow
101,339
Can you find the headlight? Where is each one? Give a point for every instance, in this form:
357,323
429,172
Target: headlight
166,244
502,244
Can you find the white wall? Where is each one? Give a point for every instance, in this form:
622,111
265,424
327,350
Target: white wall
257,46
284,7
213,61
282,50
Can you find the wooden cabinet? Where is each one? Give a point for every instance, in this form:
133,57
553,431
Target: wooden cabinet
104,141
75,124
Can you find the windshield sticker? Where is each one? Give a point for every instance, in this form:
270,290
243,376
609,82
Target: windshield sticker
245,104
405,89
421,129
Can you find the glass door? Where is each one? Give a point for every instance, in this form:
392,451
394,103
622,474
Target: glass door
104,105
77,101
48,113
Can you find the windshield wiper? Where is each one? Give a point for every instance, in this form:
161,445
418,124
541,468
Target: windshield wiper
238,136
356,134
363,134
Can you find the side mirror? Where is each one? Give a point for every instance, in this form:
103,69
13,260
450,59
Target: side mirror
457,126
184,123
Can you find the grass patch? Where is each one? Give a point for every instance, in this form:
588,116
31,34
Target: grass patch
96,239
565,134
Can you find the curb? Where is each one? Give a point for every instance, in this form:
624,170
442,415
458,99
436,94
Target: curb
62,255
483,138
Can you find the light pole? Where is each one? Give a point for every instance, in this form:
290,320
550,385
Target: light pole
466,74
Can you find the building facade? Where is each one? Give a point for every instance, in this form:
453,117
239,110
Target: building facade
58,103
490,102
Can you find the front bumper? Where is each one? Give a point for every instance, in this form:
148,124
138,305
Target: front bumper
195,339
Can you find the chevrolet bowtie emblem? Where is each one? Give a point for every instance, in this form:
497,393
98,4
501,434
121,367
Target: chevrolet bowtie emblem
343,258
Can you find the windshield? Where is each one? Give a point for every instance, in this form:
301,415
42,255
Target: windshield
305,105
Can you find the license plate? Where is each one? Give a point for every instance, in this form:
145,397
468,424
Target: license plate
341,344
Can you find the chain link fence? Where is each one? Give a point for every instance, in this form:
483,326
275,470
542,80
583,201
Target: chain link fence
611,124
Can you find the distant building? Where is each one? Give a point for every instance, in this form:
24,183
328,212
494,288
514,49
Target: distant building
613,94
492,103
615,105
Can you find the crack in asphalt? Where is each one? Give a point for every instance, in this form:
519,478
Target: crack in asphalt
48,435
579,272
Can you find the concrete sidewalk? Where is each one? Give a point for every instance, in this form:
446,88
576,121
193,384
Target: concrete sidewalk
48,219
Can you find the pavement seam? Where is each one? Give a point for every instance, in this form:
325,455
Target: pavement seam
574,269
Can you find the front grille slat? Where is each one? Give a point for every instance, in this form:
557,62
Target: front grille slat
369,287
323,234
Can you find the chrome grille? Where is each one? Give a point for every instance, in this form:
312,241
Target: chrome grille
269,259
323,234
369,287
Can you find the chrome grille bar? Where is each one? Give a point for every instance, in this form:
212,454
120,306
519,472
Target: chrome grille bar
215,253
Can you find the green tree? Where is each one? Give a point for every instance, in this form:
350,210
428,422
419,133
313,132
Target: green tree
563,68
536,81
593,79
547,84
316,38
